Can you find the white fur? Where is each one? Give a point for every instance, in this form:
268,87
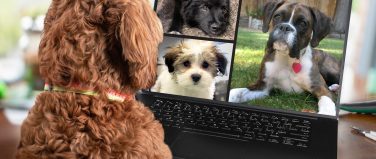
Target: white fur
334,87
327,106
166,84
292,16
196,46
291,37
279,74
241,95
180,82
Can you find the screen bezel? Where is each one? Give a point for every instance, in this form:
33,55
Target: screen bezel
256,107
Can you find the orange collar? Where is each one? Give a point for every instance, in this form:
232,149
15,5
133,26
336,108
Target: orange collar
111,94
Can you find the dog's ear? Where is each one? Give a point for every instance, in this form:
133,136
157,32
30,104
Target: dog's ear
221,63
140,34
321,26
170,59
268,12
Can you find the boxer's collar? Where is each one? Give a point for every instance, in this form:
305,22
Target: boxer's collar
111,94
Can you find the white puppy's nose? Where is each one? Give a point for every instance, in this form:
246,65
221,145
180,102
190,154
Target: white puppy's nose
196,77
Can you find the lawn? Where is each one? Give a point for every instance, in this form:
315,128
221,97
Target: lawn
249,53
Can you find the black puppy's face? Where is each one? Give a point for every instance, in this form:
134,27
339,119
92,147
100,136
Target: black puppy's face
211,16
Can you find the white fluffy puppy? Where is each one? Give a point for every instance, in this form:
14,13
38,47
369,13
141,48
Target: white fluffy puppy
192,66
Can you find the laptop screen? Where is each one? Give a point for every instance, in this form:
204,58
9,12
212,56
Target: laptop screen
270,53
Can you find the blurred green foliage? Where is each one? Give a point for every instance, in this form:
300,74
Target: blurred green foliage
355,5
11,12
10,28
3,90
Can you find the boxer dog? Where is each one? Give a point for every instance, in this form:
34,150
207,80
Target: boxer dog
290,63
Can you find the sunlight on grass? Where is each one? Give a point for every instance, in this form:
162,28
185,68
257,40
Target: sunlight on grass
247,60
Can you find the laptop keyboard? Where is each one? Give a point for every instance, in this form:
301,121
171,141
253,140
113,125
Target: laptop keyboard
232,122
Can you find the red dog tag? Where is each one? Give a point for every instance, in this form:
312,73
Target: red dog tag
296,67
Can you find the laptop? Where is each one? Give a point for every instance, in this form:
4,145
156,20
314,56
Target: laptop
213,48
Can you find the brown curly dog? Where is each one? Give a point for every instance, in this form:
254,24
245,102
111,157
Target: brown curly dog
95,54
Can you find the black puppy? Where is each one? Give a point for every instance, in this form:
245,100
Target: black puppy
211,16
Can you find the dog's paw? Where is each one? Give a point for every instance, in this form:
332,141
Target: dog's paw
327,106
334,87
175,32
236,95
241,95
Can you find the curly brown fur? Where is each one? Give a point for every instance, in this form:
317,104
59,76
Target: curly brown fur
104,44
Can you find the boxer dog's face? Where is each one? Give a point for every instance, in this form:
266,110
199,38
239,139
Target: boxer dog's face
294,25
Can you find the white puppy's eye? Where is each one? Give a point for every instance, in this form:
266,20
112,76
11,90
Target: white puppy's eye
205,64
187,63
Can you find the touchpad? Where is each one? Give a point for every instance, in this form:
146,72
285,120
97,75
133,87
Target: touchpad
190,145
199,146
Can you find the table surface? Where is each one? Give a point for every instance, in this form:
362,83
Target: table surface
350,145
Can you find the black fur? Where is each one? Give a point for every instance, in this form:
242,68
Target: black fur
169,61
211,16
221,63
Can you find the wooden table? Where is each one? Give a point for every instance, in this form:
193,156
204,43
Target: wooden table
350,145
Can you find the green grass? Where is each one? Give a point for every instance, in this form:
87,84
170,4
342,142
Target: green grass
248,56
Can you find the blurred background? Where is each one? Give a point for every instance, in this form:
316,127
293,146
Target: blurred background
21,25
359,76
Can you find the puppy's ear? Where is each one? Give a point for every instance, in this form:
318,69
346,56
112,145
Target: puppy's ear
268,12
221,63
140,34
321,26
170,59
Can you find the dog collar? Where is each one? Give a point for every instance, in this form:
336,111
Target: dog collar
111,94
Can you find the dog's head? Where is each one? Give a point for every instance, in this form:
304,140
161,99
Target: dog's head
195,63
211,16
102,44
294,25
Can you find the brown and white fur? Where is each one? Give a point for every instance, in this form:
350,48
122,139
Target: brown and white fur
295,29
192,66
